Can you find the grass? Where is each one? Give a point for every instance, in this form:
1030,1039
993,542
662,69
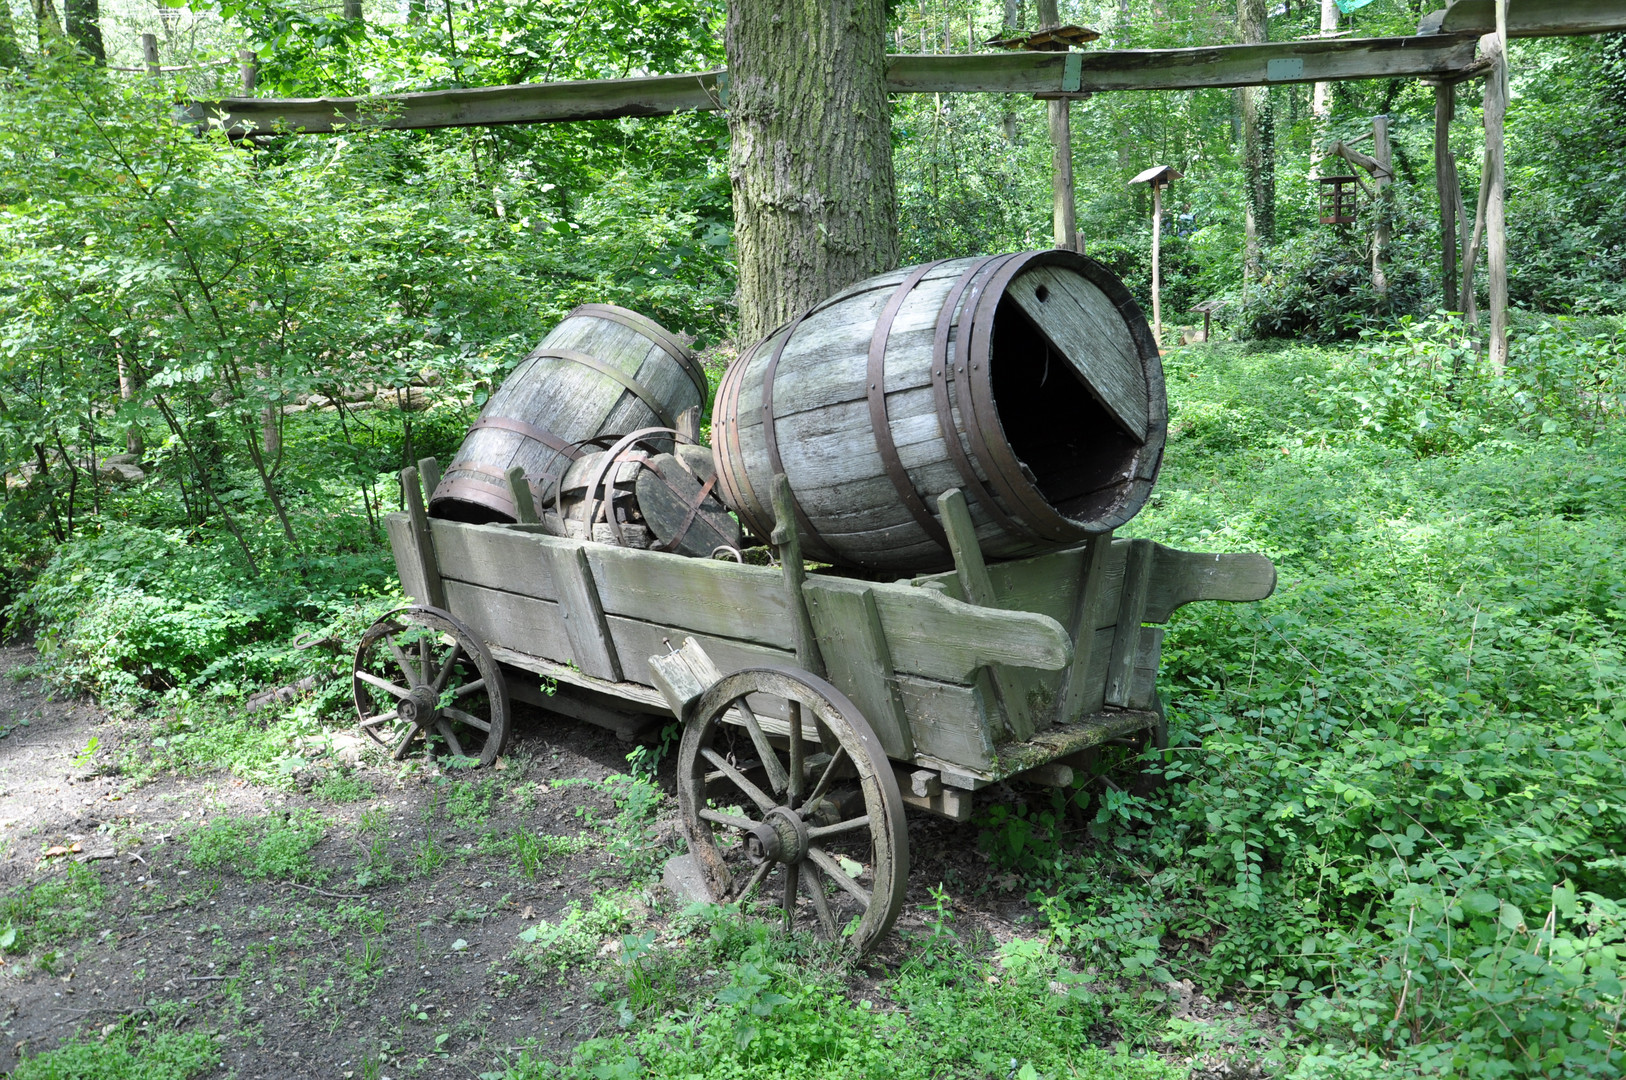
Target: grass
149,1050
270,846
50,913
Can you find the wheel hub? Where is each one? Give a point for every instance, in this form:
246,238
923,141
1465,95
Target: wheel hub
420,706
781,837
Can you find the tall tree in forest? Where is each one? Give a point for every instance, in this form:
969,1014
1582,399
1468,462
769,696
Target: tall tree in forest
10,53
46,23
1258,137
810,154
85,27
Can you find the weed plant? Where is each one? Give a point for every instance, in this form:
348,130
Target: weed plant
131,1051
50,913
1397,802
271,846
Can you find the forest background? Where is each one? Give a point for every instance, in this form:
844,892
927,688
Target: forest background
1401,818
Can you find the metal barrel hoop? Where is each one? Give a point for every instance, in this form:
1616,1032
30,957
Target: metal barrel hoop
657,333
881,423
603,472
636,388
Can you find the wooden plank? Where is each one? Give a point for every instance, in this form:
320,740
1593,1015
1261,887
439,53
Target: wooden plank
1143,676
1082,680
950,722
496,556
1131,610
636,640
519,489
408,560
1090,334
789,544
853,647
1529,18
632,693
1181,577
708,596
429,473
972,573
434,593
992,73
589,634
511,620
938,638
951,803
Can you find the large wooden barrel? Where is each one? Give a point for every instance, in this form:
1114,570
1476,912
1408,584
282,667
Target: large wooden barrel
603,370
1030,381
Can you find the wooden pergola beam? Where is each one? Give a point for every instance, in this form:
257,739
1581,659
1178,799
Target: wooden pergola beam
1052,74
1529,18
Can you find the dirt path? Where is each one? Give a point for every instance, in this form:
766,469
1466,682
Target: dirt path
396,951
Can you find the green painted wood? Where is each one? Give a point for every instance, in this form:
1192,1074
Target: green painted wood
428,568
589,634
856,658
708,596
972,573
513,621
519,489
429,474
1079,694
1131,611
948,721
408,561
1181,577
496,556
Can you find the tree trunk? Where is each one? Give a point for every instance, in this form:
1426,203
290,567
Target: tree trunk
1321,101
1258,151
1495,183
1382,204
47,23
810,153
85,27
1446,189
1012,17
11,54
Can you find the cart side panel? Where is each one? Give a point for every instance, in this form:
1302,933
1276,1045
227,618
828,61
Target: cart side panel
951,722
703,596
522,623
637,641
495,557
409,563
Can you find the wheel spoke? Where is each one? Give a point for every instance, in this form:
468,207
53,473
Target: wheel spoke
759,739
450,736
815,889
733,822
793,877
383,684
829,774
406,740
381,718
754,793
446,666
468,688
466,718
836,874
423,658
819,832
752,882
798,755
402,662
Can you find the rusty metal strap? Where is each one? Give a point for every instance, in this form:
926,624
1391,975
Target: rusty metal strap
638,389
881,424
653,330
529,431
688,520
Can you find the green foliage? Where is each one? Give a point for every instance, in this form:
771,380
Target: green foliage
271,846
151,1050
50,912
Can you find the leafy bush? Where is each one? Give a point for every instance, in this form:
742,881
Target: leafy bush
1317,286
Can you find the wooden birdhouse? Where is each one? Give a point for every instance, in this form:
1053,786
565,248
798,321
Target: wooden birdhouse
1338,200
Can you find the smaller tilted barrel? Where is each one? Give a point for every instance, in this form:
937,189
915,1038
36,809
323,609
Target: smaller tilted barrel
1031,382
604,370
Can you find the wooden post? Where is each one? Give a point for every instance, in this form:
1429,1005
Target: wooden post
1063,216
248,69
149,54
1495,181
1157,263
1381,178
1445,186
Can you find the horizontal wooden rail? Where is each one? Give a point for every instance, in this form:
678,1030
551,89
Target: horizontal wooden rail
1529,18
995,73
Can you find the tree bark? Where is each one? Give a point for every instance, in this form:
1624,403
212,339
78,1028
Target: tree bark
1382,204
1011,24
1495,182
11,54
1258,136
1321,99
810,154
85,27
1445,187
46,22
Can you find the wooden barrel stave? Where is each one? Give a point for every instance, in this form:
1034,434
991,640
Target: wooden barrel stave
828,448
572,401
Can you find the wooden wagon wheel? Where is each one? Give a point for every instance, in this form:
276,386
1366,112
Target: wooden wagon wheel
812,822
422,677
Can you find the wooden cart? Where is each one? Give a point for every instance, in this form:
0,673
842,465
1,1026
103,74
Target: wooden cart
816,707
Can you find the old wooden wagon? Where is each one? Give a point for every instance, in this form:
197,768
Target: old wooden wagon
816,706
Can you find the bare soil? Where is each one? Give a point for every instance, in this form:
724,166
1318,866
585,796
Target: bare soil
409,975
